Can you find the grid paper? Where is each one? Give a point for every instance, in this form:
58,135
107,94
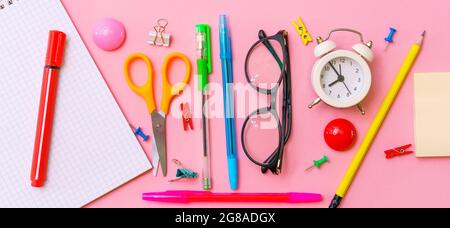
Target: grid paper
93,150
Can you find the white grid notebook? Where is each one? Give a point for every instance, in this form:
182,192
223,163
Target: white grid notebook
93,149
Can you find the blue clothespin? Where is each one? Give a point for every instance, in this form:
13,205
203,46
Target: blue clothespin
390,38
138,131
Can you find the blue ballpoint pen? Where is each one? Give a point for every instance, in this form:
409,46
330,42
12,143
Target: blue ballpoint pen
227,79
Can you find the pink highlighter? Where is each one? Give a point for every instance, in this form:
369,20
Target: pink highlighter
203,196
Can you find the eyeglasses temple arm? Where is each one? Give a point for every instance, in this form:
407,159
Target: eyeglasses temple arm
262,35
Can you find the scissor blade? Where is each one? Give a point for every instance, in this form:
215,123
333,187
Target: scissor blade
159,132
155,157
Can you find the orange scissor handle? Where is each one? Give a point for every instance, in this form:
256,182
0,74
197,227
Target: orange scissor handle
145,91
171,91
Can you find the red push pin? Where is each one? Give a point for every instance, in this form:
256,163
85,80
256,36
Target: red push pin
400,151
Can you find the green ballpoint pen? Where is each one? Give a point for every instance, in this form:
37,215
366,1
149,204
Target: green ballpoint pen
204,65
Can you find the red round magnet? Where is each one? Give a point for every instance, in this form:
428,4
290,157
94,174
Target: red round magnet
340,134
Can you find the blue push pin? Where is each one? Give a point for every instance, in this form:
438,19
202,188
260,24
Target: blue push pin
390,38
138,131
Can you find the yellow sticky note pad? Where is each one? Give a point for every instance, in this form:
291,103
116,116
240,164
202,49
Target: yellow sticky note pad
432,114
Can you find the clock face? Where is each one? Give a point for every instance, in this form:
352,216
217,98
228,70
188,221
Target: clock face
342,79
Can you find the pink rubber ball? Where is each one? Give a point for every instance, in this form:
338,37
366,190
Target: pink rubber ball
109,34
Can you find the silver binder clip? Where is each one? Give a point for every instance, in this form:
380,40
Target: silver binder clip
159,37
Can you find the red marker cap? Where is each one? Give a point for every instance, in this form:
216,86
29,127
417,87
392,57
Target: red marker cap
55,51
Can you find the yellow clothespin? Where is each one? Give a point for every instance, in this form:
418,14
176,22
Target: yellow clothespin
302,31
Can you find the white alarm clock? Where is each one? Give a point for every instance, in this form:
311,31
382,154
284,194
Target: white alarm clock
342,78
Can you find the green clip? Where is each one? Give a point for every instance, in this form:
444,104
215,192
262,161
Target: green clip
204,63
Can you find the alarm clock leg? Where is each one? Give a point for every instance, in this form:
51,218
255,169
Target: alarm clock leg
361,109
314,103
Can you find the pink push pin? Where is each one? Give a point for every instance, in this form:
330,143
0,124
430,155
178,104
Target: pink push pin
109,34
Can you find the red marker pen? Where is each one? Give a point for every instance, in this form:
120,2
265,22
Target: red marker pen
53,63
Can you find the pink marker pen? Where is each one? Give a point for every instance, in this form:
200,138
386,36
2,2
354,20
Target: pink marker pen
200,196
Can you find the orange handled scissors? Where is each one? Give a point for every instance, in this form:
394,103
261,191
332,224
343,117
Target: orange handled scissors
169,93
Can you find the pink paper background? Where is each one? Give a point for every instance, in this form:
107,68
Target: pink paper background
402,182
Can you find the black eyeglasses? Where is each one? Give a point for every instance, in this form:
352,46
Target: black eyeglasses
267,69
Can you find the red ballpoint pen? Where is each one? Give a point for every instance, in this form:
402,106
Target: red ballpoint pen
53,63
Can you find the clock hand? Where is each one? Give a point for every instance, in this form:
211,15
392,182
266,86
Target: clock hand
347,88
334,83
334,69
340,77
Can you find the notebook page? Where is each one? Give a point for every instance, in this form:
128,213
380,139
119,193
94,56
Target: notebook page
93,149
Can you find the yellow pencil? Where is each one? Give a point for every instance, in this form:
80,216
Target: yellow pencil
379,119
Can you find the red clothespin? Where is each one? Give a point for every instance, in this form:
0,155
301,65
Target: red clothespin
187,117
400,151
